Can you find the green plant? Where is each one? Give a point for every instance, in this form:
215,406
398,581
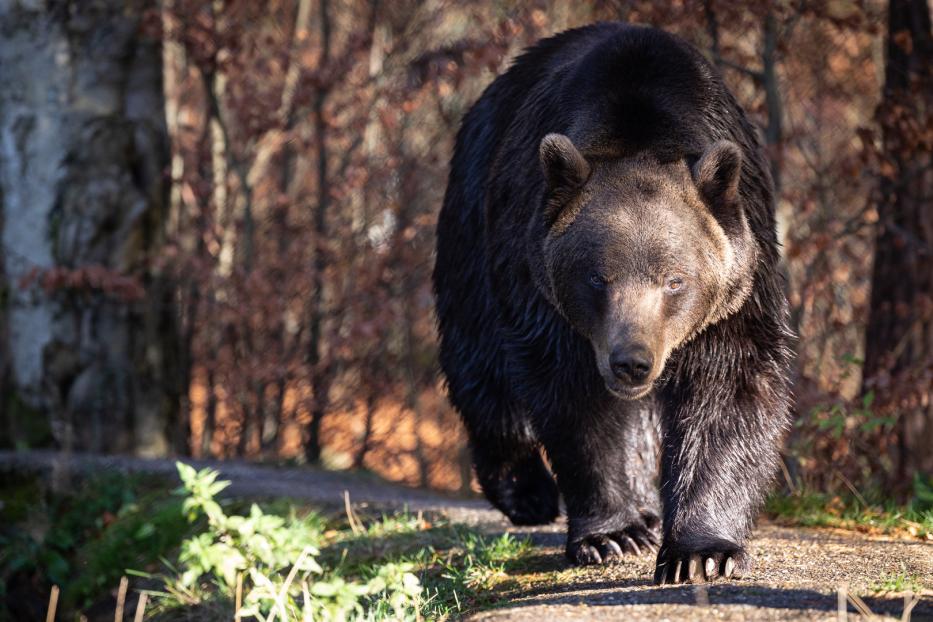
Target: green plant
816,509
82,537
923,493
276,560
291,563
840,417
138,535
901,581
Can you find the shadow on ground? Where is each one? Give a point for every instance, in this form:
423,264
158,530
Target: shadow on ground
642,592
797,577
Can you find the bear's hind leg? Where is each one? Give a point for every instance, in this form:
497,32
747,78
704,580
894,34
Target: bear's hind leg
517,482
504,449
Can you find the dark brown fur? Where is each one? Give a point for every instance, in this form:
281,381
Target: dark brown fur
606,261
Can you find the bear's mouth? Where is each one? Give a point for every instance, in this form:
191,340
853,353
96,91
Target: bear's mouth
628,392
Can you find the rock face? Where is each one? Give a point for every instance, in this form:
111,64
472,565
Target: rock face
607,258
83,149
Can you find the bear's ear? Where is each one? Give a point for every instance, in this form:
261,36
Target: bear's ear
716,175
564,167
565,171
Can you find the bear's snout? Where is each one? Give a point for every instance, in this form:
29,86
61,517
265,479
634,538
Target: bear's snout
631,365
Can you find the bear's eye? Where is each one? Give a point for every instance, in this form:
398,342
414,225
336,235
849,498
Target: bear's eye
596,281
675,284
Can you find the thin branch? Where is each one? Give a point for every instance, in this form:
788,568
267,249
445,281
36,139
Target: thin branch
286,107
712,28
233,162
755,74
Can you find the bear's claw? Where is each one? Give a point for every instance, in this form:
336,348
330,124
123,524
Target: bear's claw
603,548
675,567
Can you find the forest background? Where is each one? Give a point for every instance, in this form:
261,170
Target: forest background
218,222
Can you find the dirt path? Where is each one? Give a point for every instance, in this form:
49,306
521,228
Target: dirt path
797,577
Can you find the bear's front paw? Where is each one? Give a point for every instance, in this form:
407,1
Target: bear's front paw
601,546
679,563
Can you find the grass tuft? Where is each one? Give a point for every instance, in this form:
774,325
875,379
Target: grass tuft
813,509
898,582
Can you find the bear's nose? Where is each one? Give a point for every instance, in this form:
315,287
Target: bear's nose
631,365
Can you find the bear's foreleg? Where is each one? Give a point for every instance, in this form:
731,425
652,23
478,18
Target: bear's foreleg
606,514
720,452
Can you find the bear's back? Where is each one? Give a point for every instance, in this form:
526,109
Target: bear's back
616,90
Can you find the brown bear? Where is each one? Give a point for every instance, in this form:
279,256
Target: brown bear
607,265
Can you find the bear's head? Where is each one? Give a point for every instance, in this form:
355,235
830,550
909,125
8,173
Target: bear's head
641,255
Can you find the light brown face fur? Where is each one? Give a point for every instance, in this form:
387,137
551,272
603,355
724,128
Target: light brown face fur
638,262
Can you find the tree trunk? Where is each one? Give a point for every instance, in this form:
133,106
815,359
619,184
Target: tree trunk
210,415
359,459
83,150
320,380
899,338
6,428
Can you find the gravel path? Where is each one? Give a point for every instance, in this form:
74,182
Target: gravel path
797,576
